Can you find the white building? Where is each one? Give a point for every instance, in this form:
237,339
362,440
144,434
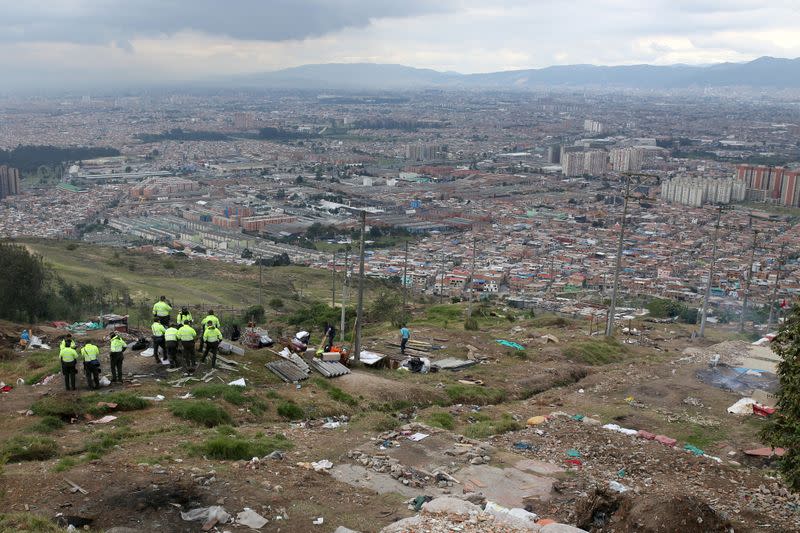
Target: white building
572,163
694,191
627,159
595,162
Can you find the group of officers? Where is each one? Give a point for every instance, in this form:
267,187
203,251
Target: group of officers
177,338
173,339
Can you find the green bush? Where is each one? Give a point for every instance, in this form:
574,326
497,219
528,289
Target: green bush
230,393
254,313
125,402
276,303
483,429
474,395
47,424
290,411
55,406
595,351
471,324
441,419
232,448
27,523
201,412
28,448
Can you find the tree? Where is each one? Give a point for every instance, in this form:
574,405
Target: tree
22,286
783,428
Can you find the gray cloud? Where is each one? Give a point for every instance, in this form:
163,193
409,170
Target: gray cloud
87,21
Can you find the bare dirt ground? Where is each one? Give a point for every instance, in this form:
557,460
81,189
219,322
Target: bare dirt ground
148,474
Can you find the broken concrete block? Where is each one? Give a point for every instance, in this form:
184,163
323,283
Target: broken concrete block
450,505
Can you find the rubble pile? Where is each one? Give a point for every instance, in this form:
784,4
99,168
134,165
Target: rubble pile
650,469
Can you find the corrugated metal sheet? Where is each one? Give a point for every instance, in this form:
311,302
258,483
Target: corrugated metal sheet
329,369
287,371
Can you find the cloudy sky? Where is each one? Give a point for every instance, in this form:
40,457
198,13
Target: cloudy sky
45,42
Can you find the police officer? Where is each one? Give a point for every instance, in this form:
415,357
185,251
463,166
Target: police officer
68,341
117,348
69,366
91,364
210,317
158,339
171,343
161,310
211,336
186,336
185,316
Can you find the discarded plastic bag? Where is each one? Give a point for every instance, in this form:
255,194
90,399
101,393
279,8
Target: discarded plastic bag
104,381
616,486
206,514
742,407
238,383
147,353
251,519
321,466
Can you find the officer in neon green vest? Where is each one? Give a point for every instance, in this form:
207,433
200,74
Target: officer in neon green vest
91,364
69,366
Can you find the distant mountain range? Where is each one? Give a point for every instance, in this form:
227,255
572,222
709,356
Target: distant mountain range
763,72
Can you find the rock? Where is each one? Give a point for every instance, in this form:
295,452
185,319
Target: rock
342,529
560,528
477,461
450,505
122,530
407,524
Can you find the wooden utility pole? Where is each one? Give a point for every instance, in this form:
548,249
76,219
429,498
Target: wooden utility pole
260,292
775,289
333,282
471,279
613,306
405,277
747,280
704,312
344,294
360,308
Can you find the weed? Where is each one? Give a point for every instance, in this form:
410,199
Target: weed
441,419
290,410
236,448
471,394
102,442
443,314
201,412
64,464
385,423
392,406
550,321
125,402
483,429
229,393
48,424
27,523
28,448
341,396
595,351
471,324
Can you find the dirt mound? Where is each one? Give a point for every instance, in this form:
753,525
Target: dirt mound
607,511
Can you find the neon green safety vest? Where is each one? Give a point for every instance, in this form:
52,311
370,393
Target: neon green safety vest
68,355
187,333
64,344
90,352
161,308
184,318
170,334
158,329
211,318
212,334
117,344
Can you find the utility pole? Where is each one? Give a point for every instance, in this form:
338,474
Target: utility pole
360,307
471,279
405,277
747,280
707,294
775,289
441,283
333,282
260,292
612,308
344,294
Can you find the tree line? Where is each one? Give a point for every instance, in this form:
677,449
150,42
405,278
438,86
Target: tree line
29,158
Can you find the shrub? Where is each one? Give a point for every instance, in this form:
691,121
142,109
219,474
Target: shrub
60,407
232,448
341,396
47,424
64,464
483,429
441,419
471,324
168,264
276,303
549,321
28,448
290,411
472,394
385,423
201,412
230,393
72,246
595,351
125,402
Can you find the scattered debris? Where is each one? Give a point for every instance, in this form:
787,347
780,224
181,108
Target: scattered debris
76,487
238,383
105,420
251,519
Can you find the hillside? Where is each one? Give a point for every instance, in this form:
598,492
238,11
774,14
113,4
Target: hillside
178,444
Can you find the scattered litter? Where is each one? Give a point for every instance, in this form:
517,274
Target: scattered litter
331,425
156,398
76,487
5,388
207,514
765,452
621,473
616,486
696,402
321,466
416,437
572,452
47,379
760,410
536,420
666,441
549,338
573,462
523,445
694,449
618,429
187,396
107,404
510,344
370,358
744,406
469,381
500,511
318,521
642,434
251,519
238,382
105,420
146,353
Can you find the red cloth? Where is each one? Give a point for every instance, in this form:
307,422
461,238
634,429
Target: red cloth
645,435
6,388
666,441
